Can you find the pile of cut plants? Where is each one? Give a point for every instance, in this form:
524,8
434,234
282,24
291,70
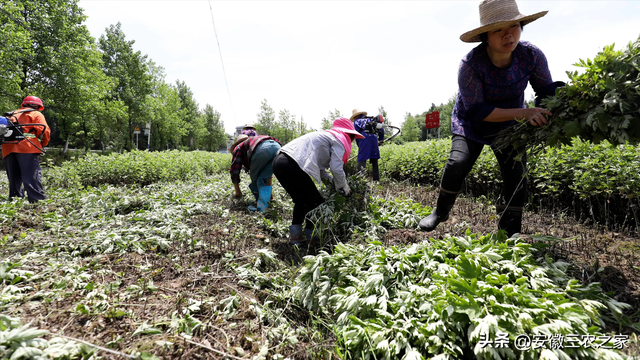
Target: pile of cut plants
599,103
450,298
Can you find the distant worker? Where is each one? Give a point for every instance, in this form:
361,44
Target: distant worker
249,130
368,148
492,79
21,159
306,159
255,154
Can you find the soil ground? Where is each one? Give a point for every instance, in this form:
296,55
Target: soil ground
612,258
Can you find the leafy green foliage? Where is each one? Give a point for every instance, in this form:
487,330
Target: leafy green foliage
14,35
25,342
138,167
94,93
131,70
363,214
600,182
215,137
600,103
285,128
410,129
85,232
438,297
327,122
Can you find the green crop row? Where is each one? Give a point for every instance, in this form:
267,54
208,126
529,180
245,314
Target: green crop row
597,182
137,167
440,299
600,182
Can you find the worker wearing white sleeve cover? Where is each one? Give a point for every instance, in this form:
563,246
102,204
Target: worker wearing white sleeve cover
306,159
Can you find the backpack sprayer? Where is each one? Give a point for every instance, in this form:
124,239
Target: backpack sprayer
11,131
376,123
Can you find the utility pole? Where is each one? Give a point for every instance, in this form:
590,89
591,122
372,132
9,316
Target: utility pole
136,132
147,132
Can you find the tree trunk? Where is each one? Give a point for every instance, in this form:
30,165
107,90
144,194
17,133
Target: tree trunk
66,146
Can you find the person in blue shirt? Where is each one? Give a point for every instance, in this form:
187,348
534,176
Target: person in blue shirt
368,148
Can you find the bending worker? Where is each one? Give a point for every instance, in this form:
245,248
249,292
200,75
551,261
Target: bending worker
249,130
22,159
306,159
255,154
491,80
368,147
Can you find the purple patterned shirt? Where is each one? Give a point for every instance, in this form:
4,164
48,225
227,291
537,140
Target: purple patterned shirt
484,87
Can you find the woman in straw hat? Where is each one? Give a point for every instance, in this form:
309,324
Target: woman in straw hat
369,147
492,79
255,154
306,159
249,130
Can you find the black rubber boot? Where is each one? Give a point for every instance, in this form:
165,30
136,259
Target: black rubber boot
441,212
376,170
510,219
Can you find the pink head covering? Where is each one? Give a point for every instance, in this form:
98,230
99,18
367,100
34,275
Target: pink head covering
341,129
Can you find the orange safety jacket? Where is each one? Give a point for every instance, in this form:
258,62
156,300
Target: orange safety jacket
32,133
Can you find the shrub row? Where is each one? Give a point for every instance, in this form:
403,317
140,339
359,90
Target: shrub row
597,182
137,167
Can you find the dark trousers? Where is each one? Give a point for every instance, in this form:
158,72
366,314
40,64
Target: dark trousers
299,185
465,152
361,165
24,169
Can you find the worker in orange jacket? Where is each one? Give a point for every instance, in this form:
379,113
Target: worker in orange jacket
21,159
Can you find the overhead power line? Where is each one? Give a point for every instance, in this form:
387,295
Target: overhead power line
222,62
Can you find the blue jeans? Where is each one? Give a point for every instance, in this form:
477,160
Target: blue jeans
261,169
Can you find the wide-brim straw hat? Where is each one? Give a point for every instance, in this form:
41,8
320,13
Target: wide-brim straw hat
240,138
357,112
249,126
496,14
346,126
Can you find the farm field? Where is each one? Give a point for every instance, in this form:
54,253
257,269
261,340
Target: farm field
177,268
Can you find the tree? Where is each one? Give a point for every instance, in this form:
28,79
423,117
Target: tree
193,123
216,137
131,68
15,38
86,109
301,128
163,109
286,126
410,129
49,53
266,119
327,122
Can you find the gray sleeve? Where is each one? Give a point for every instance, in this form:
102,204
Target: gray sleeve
336,164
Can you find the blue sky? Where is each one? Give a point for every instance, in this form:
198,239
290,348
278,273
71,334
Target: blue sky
311,57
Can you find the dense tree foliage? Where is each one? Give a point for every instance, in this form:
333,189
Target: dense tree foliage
95,92
285,128
414,129
410,128
327,122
